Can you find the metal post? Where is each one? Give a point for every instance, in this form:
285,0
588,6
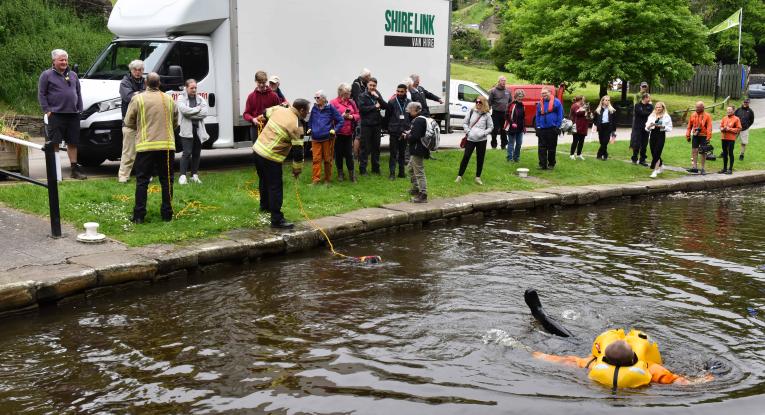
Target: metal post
50,172
740,22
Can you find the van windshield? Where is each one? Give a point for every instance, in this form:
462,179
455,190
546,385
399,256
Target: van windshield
113,62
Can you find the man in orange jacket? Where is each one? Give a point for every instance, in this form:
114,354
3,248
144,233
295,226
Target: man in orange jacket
699,133
730,126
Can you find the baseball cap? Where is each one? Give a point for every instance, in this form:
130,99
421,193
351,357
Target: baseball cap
274,79
644,83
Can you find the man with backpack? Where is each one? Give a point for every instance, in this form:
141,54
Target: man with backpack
419,152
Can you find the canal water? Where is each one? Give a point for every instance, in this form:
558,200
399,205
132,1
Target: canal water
439,328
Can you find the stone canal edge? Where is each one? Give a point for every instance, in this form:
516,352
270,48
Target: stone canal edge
27,288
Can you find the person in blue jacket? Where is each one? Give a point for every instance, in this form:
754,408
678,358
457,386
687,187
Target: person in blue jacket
549,117
324,124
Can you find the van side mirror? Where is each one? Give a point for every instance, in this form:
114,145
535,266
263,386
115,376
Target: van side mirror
174,78
76,68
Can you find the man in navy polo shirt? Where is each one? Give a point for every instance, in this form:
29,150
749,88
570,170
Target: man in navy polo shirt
59,95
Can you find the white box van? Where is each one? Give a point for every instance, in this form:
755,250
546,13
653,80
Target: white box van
310,45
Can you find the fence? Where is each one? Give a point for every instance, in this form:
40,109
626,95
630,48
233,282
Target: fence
705,79
51,185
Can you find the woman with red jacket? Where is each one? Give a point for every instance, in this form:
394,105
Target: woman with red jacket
514,124
578,115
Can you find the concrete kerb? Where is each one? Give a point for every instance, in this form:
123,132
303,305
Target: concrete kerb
24,287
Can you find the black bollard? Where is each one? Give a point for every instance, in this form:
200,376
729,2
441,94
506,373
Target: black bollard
50,172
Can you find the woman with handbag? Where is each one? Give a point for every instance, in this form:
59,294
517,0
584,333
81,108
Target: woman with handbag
344,141
605,125
478,126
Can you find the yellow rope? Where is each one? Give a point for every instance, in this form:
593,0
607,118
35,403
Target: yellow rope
194,205
312,223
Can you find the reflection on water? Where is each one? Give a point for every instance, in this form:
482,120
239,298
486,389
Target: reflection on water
439,328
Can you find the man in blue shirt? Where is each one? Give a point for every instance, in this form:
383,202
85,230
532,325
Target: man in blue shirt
548,120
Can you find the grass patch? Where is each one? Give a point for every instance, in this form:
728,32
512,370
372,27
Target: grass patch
486,76
475,13
225,200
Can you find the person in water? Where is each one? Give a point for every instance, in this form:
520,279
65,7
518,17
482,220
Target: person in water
624,361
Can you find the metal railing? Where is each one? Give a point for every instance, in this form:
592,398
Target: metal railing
52,179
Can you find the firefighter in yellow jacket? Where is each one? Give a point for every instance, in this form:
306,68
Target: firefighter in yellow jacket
282,132
153,115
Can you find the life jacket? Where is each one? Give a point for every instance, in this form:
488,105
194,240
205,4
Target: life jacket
633,376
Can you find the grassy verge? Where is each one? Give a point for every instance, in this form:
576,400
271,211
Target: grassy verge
226,200
486,76
476,13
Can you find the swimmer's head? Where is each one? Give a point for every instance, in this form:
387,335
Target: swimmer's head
619,353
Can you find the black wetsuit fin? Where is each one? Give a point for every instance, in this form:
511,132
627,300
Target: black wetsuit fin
552,326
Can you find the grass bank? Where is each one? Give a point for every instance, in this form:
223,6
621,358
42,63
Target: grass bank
29,30
487,75
227,200
475,13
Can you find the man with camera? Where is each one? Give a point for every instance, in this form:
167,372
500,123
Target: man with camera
699,134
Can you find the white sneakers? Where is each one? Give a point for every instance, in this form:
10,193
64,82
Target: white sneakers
458,179
654,173
194,179
580,157
572,157
478,181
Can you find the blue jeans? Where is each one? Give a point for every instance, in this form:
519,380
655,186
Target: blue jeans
514,142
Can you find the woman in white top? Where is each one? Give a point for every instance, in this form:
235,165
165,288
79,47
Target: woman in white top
478,126
658,125
604,123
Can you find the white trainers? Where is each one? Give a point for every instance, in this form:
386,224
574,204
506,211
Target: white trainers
195,179
478,181
580,157
182,179
654,173
661,169
572,157
458,179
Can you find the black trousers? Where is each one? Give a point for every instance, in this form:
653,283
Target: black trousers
270,186
727,153
192,151
344,153
480,151
548,143
656,141
148,164
577,144
397,153
498,118
641,144
604,136
370,148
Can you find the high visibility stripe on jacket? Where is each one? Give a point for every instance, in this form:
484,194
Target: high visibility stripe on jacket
155,133
282,131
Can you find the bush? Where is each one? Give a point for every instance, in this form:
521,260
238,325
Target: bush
29,30
468,44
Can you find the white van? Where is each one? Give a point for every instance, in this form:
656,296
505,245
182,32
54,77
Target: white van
310,45
462,96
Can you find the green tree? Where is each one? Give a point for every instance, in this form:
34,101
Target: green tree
599,40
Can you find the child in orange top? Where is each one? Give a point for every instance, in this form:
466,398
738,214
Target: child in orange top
730,126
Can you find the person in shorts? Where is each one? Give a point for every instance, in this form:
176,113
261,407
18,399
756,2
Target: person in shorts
59,96
699,133
746,115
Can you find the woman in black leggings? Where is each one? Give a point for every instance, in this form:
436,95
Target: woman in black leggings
605,124
478,126
659,123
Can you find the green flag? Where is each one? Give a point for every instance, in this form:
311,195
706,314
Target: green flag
726,24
